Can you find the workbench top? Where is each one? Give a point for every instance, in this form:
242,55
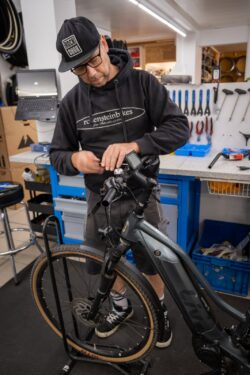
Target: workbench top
173,165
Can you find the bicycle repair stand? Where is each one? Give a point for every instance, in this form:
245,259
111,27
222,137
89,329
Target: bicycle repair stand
138,368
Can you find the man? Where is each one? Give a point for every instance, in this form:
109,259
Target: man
113,110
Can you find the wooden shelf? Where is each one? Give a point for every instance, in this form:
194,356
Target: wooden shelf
137,56
152,52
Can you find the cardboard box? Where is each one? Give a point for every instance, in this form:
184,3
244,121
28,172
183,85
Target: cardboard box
4,159
5,175
17,135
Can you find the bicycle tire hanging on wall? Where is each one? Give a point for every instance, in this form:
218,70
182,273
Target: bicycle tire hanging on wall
12,45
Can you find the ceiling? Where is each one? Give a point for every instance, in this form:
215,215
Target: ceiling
128,22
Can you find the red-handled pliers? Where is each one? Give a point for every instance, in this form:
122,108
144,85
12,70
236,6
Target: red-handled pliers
199,127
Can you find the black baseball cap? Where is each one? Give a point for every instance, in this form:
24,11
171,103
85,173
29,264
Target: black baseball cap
76,41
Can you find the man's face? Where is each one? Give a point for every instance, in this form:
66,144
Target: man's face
104,72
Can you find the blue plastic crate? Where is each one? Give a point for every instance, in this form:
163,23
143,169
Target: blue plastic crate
224,275
191,149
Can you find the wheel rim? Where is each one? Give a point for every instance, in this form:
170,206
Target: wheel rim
133,339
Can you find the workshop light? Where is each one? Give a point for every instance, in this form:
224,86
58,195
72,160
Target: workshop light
159,18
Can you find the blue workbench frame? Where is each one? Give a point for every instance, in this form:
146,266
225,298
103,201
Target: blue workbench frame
187,202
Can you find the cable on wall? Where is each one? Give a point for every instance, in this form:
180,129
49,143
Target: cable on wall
11,32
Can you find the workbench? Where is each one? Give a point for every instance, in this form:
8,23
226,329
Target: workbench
180,184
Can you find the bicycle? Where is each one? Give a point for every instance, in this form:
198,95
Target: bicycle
84,294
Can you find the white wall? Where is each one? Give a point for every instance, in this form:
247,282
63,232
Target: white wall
188,50
188,57
231,35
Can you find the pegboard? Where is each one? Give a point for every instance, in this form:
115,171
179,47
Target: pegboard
225,131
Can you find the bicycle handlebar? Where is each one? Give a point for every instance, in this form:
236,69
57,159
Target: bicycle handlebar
117,183
109,197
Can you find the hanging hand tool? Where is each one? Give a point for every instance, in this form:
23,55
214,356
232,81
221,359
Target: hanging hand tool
191,126
214,160
199,127
216,92
193,110
209,129
226,92
244,116
186,111
239,92
174,96
179,99
200,110
243,167
207,109
230,154
246,136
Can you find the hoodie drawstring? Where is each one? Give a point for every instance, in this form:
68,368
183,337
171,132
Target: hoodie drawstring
90,107
125,134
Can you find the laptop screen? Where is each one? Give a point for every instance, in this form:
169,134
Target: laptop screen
36,83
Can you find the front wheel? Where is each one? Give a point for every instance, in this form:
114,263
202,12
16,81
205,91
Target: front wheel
77,286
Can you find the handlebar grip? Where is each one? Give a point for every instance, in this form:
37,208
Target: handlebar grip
109,197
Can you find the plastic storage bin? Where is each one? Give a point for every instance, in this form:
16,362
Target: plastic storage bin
169,190
72,181
70,205
224,275
191,149
74,225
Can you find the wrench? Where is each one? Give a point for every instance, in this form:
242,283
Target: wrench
193,110
207,109
200,110
179,99
186,111
239,92
226,92
244,116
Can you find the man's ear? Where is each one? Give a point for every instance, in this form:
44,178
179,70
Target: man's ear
104,43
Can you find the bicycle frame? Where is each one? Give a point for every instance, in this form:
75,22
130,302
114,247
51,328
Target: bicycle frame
216,346
174,267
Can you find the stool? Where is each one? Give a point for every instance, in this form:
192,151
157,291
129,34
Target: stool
12,193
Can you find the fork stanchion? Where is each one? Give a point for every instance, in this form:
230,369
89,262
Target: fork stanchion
140,367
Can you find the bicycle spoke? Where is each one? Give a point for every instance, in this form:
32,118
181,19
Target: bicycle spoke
77,287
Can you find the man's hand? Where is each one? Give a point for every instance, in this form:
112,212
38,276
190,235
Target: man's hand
114,155
86,162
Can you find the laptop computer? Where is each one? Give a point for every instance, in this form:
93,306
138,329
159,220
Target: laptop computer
37,95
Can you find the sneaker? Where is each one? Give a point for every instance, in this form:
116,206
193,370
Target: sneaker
165,337
112,321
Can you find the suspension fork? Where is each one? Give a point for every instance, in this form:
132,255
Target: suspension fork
108,276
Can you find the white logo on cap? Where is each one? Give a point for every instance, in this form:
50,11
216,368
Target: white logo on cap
71,46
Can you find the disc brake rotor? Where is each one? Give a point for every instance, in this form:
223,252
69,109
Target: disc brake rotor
81,308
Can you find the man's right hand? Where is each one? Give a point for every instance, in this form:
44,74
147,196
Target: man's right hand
86,162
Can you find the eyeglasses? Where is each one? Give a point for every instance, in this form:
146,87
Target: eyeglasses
94,62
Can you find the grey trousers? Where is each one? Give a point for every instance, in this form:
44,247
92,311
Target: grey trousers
119,212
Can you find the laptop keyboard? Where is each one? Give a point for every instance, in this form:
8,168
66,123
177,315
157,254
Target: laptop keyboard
41,104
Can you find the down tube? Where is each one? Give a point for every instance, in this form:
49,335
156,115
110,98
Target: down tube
193,306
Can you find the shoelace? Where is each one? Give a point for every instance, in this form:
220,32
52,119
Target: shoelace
112,318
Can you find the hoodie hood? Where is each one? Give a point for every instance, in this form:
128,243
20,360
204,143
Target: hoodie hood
122,60
132,107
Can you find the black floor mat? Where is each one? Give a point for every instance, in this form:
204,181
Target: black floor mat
29,347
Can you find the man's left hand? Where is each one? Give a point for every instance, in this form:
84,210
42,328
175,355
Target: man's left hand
115,154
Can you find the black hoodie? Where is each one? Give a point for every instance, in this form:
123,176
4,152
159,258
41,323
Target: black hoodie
133,106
